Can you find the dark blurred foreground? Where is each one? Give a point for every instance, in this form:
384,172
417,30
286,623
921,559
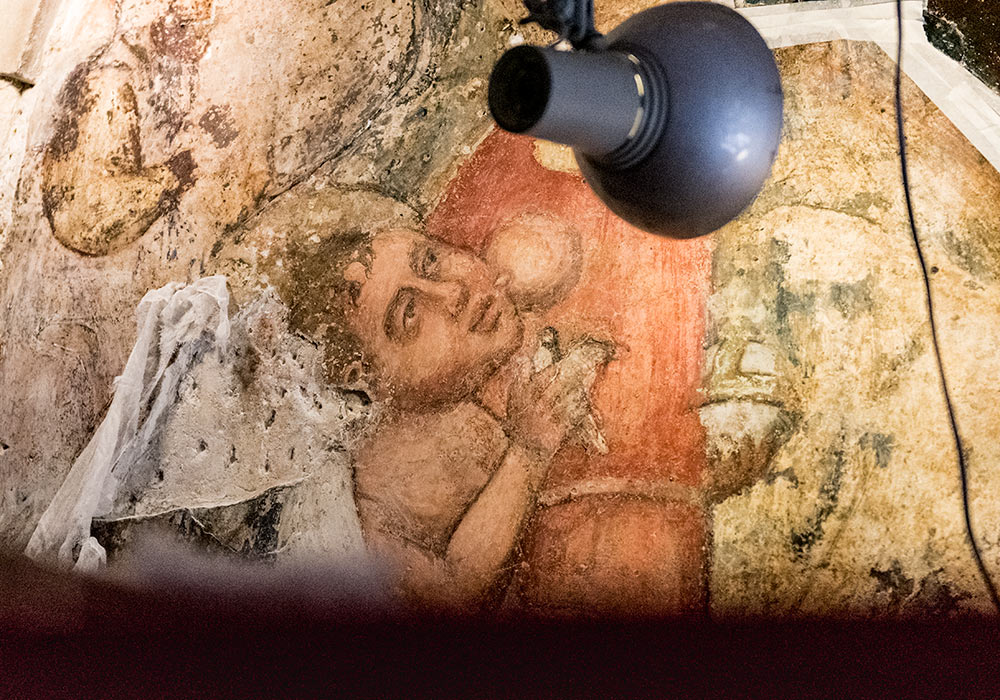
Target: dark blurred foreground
71,637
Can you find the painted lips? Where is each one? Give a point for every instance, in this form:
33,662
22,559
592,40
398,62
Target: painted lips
485,315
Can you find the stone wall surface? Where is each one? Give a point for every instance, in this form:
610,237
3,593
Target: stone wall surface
148,144
861,510
23,38
446,352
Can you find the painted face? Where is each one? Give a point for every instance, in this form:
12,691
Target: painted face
431,319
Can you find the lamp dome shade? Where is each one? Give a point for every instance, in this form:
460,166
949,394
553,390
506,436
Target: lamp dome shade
675,120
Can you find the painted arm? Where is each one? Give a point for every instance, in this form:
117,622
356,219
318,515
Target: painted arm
486,536
545,409
481,544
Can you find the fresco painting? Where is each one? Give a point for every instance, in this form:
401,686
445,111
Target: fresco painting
154,93
448,356
863,501
641,483
514,462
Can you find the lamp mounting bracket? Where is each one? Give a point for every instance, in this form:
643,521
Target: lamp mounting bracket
572,20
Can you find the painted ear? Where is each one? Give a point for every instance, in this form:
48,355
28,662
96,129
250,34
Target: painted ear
357,384
354,373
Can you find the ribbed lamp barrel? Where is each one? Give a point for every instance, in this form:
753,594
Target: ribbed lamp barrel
589,100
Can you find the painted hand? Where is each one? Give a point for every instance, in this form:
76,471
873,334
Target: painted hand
745,421
551,403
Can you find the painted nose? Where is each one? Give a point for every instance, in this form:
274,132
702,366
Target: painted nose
452,295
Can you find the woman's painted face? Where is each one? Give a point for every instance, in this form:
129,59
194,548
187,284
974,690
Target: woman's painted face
431,318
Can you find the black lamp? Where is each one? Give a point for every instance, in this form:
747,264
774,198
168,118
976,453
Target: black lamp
674,117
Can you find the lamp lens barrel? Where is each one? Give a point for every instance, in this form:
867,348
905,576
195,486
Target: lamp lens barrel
519,89
588,100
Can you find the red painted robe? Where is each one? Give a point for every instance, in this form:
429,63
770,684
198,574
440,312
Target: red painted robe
622,532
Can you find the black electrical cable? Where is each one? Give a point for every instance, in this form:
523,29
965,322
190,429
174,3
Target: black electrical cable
962,466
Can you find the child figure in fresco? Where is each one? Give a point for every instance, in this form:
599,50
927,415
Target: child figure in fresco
448,481
480,398
477,394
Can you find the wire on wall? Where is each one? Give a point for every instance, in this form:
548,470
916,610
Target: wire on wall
963,469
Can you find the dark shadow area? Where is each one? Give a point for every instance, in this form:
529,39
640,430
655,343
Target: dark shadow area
969,32
71,637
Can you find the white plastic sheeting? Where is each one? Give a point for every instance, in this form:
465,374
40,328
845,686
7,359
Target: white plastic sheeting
177,324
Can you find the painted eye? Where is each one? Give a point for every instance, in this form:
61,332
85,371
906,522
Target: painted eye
409,314
429,264
402,318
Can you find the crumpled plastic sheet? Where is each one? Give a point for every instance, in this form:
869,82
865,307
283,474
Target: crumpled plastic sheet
964,99
177,325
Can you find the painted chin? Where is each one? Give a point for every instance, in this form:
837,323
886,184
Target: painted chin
470,366
499,334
